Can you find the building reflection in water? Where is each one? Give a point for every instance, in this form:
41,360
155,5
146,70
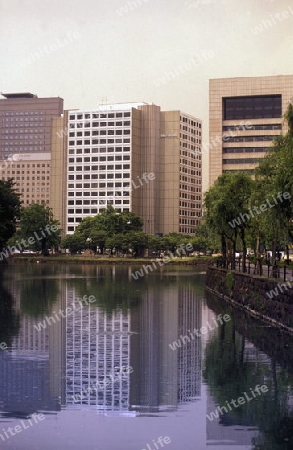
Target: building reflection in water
97,350
163,378
60,365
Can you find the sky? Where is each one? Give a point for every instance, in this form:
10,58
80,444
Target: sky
157,51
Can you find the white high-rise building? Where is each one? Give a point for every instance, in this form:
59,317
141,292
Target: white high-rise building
132,156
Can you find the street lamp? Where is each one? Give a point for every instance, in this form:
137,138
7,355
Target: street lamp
89,240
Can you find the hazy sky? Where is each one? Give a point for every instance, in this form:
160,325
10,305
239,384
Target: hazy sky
97,51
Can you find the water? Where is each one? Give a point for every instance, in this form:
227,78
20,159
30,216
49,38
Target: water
104,372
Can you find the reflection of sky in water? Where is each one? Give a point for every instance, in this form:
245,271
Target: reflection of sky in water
164,396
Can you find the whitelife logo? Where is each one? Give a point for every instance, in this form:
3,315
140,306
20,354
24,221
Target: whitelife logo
259,209
52,47
203,330
273,20
19,245
130,6
279,289
61,313
195,61
36,418
180,252
256,392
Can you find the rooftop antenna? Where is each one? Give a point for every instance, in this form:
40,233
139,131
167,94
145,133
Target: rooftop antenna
104,101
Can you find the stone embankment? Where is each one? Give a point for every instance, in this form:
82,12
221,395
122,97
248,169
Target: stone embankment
268,299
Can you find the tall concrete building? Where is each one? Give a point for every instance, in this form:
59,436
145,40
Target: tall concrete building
133,156
246,114
25,143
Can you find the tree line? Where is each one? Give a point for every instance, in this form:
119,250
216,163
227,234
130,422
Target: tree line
256,212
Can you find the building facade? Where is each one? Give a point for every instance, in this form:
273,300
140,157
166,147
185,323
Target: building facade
133,156
25,143
246,114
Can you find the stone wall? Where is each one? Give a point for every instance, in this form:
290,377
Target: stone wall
250,293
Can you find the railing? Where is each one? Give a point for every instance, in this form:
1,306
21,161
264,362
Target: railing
265,269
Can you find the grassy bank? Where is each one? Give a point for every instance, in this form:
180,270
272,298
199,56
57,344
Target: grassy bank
81,259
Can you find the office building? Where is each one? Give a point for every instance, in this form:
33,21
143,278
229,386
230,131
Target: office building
133,156
246,114
25,143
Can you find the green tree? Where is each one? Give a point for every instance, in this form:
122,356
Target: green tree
275,173
9,211
39,228
114,223
74,242
204,240
227,209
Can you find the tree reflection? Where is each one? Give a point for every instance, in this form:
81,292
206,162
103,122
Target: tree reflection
38,294
9,319
229,373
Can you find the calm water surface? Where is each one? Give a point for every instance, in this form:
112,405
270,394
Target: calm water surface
108,375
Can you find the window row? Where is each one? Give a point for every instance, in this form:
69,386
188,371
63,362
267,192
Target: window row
100,133
22,136
275,126
245,150
99,158
103,176
190,146
27,166
248,138
188,212
100,115
190,154
27,178
87,202
189,139
95,193
194,131
185,187
241,161
91,211
21,131
190,171
104,167
188,196
252,107
79,125
99,168
189,121
80,151
100,186
190,180
184,204
189,163
187,221
95,177
22,113
97,141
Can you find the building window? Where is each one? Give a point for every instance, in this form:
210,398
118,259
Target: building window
252,107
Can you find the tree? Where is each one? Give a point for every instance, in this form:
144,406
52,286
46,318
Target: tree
227,211
9,211
74,242
114,223
39,228
106,229
275,173
204,240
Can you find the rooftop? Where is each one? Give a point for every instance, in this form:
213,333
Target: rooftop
19,95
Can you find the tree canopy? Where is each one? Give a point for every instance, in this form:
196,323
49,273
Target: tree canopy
39,228
9,211
256,211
